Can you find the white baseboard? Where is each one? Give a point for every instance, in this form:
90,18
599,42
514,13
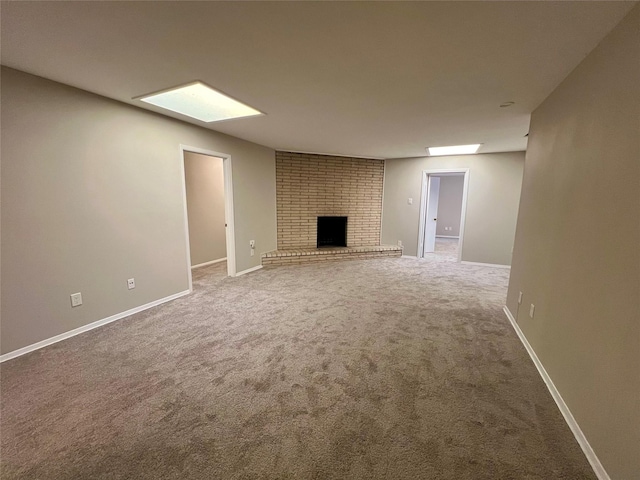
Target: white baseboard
564,409
249,270
447,236
86,328
209,263
478,264
409,256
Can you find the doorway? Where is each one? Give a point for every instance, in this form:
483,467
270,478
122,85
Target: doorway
442,212
208,211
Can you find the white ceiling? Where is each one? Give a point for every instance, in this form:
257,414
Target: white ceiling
372,79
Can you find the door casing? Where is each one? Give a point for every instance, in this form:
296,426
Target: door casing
424,199
228,208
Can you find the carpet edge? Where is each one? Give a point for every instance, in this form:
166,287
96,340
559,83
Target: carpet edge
580,437
90,326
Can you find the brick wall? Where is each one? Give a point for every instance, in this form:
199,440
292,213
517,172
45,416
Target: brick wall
308,186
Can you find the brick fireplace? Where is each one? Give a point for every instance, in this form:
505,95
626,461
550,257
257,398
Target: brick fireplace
309,186
312,190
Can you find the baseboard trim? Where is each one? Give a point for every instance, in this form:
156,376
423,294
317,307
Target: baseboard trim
598,469
447,236
85,328
205,264
478,264
248,270
409,256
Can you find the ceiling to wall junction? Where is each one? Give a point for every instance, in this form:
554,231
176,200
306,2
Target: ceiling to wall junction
372,79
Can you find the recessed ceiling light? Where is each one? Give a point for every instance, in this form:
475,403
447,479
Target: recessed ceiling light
454,150
506,104
199,101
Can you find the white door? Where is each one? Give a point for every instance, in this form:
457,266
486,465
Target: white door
433,192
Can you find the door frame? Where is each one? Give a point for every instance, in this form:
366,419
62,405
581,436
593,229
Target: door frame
228,208
424,199
433,199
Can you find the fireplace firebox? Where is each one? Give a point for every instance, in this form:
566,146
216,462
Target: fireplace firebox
332,232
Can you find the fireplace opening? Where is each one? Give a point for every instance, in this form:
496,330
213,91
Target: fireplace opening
332,232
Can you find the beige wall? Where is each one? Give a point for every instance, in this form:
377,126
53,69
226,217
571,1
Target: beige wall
92,194
450,205
492,207
577,249
310,185
204,179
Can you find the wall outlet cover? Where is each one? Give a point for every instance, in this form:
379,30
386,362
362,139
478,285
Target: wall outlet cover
76,299
131,283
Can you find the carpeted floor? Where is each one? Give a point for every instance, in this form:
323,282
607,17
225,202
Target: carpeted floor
371,369
446,248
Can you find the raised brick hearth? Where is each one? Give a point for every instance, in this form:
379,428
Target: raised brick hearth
302,255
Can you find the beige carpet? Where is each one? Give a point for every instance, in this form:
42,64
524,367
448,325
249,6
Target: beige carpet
370,369
447,248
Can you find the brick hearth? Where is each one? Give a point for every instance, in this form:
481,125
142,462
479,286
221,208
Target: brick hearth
302,255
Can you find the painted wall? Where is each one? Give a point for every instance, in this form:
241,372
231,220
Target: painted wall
92,194
450,205
204,178
492,207
581,183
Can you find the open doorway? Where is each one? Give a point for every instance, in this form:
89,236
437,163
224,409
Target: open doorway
442,212
208,212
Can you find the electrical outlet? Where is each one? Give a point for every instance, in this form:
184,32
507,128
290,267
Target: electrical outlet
76,299
252,243
520,298
399,243
253,252
410,201
131,283
532,310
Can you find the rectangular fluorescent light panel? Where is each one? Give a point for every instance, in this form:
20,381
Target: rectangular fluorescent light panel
199,101
454,150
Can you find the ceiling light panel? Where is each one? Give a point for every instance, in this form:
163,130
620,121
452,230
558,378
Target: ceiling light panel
199,101
454,150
